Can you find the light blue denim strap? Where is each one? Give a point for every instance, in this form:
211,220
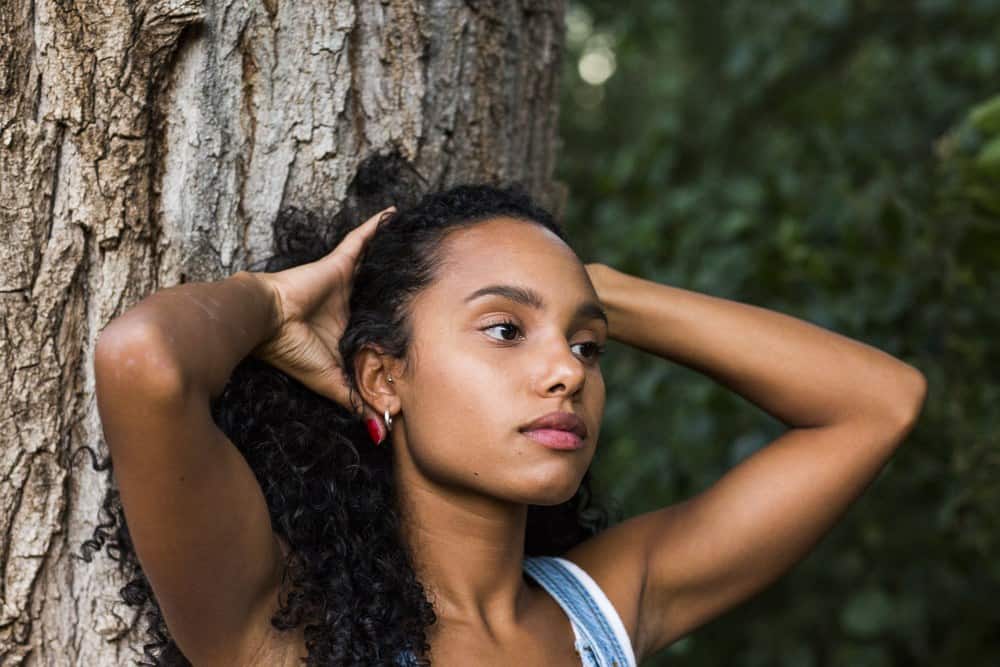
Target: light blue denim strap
605,640
406,659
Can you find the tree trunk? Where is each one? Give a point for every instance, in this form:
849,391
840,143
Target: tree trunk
146,142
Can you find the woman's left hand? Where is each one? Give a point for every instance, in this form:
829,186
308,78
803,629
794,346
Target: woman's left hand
601,276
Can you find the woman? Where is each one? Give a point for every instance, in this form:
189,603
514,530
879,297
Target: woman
465,333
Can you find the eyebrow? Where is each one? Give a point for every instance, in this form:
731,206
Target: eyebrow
528,297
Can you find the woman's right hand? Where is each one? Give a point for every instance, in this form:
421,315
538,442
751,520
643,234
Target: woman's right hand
312,305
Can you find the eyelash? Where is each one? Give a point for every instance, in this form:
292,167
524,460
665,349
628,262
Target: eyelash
598,349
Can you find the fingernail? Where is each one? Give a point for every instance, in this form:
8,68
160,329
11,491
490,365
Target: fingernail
374,432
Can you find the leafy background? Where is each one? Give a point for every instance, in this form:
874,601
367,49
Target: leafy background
837,161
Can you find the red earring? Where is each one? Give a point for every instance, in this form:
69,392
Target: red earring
374,432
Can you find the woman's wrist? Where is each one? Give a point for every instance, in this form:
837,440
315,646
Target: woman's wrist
269,295
607,282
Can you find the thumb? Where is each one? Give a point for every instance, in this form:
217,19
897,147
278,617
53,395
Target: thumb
352,244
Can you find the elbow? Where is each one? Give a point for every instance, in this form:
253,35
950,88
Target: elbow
910,399
132,361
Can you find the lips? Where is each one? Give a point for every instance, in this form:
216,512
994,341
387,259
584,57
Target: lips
558,421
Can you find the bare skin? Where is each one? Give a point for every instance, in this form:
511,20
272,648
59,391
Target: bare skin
465,471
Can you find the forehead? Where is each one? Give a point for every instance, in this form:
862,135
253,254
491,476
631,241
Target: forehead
511,249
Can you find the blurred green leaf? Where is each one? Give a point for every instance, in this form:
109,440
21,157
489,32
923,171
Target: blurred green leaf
867,614
985,117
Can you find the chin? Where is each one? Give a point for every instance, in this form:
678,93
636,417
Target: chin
548,500
551,489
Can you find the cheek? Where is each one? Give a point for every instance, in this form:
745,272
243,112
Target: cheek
459,418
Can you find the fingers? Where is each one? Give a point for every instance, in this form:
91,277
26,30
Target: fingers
356,238
339,390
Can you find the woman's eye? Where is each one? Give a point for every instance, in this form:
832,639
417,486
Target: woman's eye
593,350
510,326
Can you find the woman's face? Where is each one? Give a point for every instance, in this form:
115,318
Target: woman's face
482,367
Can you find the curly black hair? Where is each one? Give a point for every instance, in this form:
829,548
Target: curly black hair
330,493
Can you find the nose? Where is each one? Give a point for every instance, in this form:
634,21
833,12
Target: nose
562,371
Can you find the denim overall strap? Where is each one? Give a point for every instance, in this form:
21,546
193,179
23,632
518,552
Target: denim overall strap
406,659
602,640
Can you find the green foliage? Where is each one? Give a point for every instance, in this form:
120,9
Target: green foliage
840,162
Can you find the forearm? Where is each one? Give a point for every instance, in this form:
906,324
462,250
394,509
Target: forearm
800,373
199,330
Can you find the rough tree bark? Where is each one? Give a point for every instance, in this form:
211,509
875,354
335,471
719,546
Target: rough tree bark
147,141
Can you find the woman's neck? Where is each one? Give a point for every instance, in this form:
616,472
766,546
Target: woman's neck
467,552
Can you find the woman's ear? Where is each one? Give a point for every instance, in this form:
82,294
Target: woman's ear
373,368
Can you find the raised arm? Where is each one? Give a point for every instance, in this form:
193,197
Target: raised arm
197,516
847,406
